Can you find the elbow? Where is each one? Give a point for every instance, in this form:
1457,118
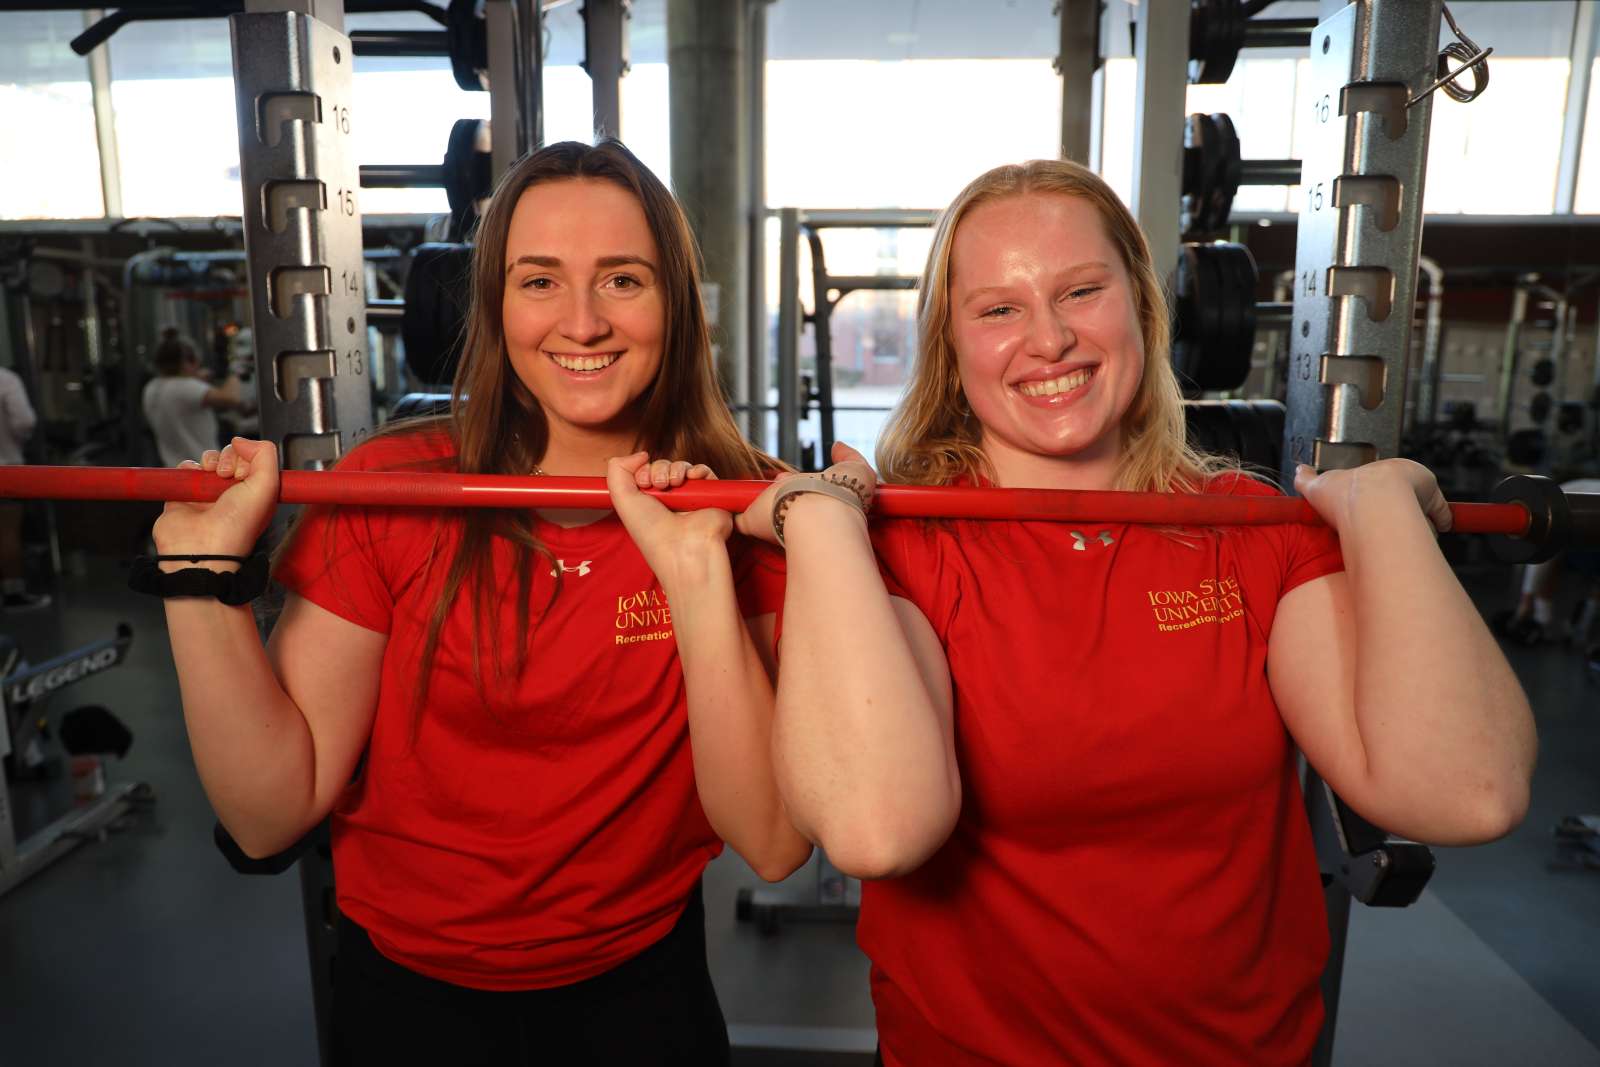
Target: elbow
861,860
780,865
859,856
888,847
262,848
774,852
1498,804
1489,813
1498,812
261,843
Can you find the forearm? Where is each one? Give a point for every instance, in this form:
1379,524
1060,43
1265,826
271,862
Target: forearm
1446,728
863,750
251,744
730,717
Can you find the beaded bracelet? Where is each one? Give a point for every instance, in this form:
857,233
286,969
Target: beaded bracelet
841,487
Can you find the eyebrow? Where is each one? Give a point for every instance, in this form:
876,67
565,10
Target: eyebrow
1093,264
602,262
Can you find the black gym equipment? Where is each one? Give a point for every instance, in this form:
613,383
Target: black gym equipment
1218,29
93,730
1571,417
1526,447
421,405
1577,843
88,731
836,897
1215,315
1251,430
433,321
468,43
150,10
1213,172
1374,867
466,175
1558,519
464,39
1539,407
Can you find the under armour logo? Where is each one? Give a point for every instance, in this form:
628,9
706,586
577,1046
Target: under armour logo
1104,537
580,570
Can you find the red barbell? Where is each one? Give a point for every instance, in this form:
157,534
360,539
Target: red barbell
410,489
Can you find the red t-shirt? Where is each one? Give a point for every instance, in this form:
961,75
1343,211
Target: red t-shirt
1132,879
551,831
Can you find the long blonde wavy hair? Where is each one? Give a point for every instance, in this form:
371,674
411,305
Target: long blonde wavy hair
932,438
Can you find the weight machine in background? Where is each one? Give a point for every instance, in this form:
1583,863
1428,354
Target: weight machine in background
25,733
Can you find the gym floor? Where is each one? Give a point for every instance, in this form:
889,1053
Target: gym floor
145,948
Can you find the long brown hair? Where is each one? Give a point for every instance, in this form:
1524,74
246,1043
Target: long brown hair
932,438
498,427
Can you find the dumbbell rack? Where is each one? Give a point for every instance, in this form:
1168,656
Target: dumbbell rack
1534,359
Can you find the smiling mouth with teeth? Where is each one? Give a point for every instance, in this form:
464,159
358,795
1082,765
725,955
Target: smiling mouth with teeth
1064,384
584,363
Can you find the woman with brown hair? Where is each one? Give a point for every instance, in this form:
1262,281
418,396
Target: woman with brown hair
1065,753
493,706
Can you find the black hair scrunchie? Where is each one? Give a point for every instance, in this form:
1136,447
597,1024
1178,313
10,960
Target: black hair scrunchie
234,588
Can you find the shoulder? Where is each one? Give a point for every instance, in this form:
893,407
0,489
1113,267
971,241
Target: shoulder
915,554
422,449
1240,483
909,538
9,379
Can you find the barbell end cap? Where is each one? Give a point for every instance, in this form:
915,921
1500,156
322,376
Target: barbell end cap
1549,519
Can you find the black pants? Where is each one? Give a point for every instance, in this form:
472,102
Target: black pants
656,1010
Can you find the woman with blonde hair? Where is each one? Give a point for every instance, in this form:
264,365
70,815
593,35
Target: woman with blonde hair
498,708
1063,755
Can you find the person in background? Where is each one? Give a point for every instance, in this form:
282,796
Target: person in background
17,421
245,420
181,406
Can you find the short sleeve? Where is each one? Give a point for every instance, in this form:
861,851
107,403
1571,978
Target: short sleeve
1307,551
1313,551
194,392
350,560
892,557
329,560
912,562
759,571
